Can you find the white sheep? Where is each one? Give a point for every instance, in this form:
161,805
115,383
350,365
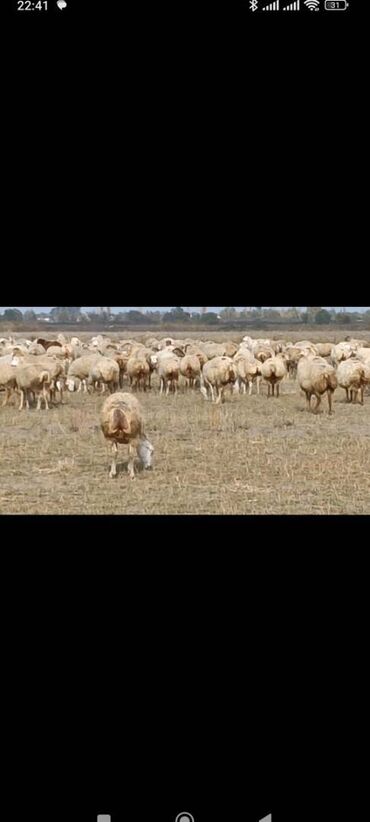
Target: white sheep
79,371
190,369
7,380
216,375
248,370
316,377
168,373
122,422
32,378
353,375
273,371
105,372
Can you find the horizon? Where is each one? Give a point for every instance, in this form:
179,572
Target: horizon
117,309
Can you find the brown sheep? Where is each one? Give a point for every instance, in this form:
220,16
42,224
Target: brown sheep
122,423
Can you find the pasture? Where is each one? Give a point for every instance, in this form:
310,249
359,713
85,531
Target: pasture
250,455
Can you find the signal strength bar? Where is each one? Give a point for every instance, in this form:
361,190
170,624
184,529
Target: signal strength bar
293,6
272,6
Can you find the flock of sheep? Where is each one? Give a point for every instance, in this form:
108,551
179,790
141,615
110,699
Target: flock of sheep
37,370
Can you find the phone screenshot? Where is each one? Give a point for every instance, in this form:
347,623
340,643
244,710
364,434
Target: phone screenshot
232,420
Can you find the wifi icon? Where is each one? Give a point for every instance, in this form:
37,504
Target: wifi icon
312,5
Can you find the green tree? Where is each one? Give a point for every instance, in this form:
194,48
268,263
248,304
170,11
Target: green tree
342,319
13,315
228,314
29,316
323,317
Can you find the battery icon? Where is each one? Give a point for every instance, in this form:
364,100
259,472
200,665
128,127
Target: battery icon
336,5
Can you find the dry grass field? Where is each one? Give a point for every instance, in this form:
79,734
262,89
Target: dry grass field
251,455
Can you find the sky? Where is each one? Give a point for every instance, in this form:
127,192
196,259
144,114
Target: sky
116,309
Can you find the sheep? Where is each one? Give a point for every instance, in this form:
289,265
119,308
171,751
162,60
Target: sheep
122,422
363,354
106,372
32,378
216,375
212,349
80,370
273,371
353,375
36,349
7,380
248,370
263,353
138,372
342,351
168,373
48,343
324,349
190,369
146,354
294,355
193,350
316,377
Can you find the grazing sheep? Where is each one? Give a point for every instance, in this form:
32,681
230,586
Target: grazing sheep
79,371
122,422
316,377
105,372
216,375
353,375
32,378
273,371
7,380
190,369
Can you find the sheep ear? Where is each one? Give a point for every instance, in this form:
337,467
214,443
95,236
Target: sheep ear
179,352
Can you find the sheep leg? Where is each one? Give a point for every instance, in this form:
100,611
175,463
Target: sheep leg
7,395
347,395
22,400
45,395
362,395
162,384
113,469
38,407
308,401
330,399
316,409
168,388
278,390
132,452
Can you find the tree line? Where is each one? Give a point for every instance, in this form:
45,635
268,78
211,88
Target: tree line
74,315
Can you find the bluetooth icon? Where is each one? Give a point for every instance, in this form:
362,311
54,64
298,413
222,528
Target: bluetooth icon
253,5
